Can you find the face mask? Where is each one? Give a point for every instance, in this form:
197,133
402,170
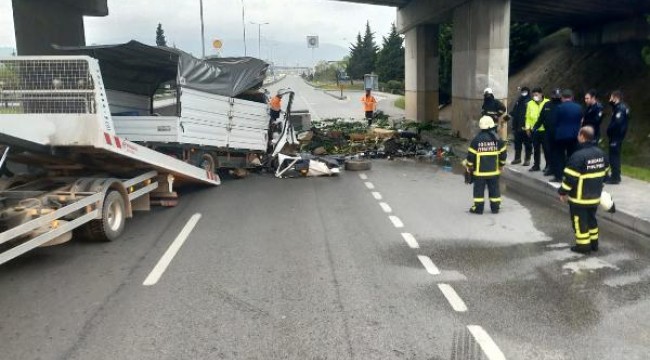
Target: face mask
524,94
612,102
537,98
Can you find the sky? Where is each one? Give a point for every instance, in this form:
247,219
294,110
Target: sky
283,40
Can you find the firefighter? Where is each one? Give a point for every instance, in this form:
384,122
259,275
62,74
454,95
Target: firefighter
582,187
491,106
485,158
616,132
369,106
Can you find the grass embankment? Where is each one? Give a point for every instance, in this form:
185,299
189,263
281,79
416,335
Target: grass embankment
332,85
400,102
636,172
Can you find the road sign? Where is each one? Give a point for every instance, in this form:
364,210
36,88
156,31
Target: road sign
217,44
312,42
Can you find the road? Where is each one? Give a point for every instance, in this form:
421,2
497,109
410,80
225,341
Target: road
385,264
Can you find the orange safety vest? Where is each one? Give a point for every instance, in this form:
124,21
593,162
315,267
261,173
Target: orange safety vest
276,103
369,103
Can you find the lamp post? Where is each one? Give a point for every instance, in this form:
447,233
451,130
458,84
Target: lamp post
243,24
259,37
202,31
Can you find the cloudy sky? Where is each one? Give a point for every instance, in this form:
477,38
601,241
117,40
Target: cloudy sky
283,39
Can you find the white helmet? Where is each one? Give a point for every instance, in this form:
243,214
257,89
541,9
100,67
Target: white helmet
607,202
485,123
488,91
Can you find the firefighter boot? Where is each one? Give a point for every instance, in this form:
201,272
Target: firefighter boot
594,245
495,207
476,209
582,249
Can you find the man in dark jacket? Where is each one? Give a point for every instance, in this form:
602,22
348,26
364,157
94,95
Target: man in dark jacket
485,158
547,119
568,120
491,106
594,113
616,132
582,187
518,115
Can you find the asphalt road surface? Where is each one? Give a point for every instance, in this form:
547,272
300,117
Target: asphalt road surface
384,264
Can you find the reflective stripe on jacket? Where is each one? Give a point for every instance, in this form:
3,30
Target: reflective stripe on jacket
584,175
486,155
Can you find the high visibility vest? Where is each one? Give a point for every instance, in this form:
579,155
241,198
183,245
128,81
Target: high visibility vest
276,103
369,103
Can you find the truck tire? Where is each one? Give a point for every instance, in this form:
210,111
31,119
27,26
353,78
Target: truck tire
111,225
358,165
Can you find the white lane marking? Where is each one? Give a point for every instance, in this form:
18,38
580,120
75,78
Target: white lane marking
488,345
396,221
167,258
363,176
369,185
456,302
385,207
410,240
377,195
429,265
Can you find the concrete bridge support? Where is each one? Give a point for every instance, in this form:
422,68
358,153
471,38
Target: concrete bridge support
480,59
41,23
421,71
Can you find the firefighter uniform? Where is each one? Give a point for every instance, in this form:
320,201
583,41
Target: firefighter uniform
485,158
583,183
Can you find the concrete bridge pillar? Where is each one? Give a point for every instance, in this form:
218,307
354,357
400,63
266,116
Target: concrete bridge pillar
480,59
421,73
40,23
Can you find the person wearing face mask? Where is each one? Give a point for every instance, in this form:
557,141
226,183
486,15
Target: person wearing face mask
548,120
522,140
594,113
616,132
491,106
533,110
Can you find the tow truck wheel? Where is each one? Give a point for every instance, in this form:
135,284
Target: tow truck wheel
111,225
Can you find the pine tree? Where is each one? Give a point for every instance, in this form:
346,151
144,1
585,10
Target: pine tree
369,52
160,36
355,63
390,59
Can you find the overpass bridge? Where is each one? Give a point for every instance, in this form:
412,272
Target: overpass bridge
481,36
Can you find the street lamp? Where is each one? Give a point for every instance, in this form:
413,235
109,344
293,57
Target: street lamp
243,24
259,37
202,31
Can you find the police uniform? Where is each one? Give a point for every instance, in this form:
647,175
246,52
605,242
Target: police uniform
485,158
616,132
583,183
593,118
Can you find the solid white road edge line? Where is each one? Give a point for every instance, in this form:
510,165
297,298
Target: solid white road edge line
369,185
456,302
396,221
429,265
385,207
363,176
377,195
168,256
410,240
488,345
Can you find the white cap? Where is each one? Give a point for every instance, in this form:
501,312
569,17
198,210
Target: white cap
607,202
488,91
485,123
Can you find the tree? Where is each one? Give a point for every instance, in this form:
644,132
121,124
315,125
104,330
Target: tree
523,36
390,59
160,36
355,61
369,52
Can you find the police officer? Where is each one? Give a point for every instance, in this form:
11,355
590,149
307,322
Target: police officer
547,120
522,140
583,186
485,158
594,113
491,106
616,132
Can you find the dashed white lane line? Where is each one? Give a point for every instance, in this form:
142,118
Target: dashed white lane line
488,345
385,207
167,258
396,221
410,240
363,176
429,265
369,185
376,195
454,300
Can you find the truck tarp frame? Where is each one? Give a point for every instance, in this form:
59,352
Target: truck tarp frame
137,68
